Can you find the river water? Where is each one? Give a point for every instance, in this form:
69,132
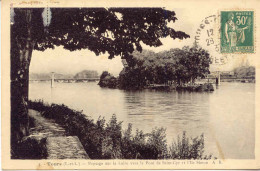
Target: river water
225,116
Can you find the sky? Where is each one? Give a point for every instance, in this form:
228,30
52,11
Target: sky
63,61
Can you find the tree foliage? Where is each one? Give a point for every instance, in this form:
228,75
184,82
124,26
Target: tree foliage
117,31
176,65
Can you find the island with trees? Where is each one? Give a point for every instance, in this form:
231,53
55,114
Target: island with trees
174,69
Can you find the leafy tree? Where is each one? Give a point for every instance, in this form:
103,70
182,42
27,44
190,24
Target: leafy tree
197,62
117,31
107,80
139,72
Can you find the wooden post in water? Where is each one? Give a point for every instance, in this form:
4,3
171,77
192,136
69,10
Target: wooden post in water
218,78
52,79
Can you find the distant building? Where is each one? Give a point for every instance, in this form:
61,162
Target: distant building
228,74
223,74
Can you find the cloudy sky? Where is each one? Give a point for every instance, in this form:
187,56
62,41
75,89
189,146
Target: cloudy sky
63,61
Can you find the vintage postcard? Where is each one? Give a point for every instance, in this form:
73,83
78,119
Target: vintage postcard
130,84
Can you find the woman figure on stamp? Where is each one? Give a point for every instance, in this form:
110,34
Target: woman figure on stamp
233,34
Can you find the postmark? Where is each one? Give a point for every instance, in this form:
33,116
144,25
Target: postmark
207,36
237,32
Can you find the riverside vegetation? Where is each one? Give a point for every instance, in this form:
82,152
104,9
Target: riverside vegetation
107,140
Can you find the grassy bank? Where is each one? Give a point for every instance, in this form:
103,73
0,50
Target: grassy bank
107,140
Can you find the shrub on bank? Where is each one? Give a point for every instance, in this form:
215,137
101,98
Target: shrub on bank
103,140
185,148
108,80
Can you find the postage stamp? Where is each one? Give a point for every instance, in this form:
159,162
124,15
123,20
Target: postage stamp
237,31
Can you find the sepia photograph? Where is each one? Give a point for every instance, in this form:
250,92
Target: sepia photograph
134,86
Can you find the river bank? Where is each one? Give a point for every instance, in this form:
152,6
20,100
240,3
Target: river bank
107,140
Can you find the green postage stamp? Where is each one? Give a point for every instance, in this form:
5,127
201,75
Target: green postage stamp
237,32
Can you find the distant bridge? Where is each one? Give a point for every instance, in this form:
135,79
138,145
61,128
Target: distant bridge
70,80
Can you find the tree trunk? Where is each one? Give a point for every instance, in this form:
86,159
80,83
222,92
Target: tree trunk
21,52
